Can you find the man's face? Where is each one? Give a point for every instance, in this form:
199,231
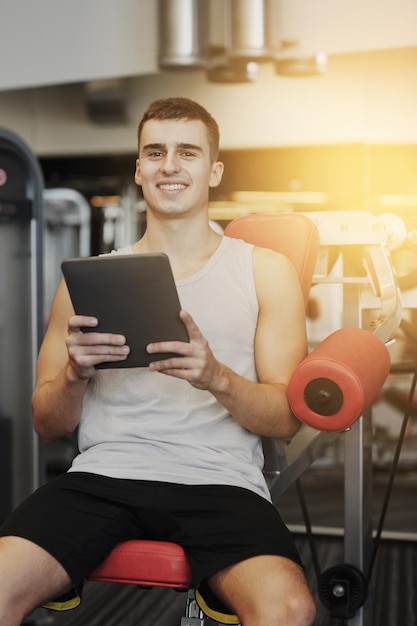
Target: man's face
174,167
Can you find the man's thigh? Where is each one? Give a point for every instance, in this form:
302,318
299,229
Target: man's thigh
225,525
70,521
235,538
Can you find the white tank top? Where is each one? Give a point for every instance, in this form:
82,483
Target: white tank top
139,424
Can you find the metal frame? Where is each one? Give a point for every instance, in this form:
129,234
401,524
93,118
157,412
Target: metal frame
28,479
379,293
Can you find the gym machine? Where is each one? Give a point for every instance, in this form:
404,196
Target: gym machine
21,316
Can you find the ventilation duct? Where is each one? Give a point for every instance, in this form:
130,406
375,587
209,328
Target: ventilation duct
250,33
223,70
298,64
183,33
246,26
245,42
291,54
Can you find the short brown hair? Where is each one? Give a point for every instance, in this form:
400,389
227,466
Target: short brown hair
183,109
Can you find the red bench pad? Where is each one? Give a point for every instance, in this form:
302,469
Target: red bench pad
147,563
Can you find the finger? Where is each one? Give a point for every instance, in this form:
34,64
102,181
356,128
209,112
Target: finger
175,373
179,364
76,322
99,339
179,347
86,357
170,347
191,327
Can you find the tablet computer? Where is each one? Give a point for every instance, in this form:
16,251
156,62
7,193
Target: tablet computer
132,295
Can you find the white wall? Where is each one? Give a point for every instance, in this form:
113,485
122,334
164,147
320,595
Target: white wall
364,97
49,42
342,26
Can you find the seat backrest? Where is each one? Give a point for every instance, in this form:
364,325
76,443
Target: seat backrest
292,234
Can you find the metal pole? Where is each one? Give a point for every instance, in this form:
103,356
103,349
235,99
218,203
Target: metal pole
358,477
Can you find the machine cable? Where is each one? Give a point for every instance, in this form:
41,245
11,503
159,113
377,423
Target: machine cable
342,588
307,523
394,467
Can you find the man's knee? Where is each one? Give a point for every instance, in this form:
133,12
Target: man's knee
296,609
300,609
266,590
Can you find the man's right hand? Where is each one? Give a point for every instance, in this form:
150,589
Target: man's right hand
87,349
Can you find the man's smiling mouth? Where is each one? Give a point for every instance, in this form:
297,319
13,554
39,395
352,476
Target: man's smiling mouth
172,187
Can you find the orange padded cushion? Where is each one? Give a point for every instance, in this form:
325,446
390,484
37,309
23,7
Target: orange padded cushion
148,563
330,389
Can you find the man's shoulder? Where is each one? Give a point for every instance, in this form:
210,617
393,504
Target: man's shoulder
273,268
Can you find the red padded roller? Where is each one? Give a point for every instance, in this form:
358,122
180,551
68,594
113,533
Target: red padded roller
149,563
330,389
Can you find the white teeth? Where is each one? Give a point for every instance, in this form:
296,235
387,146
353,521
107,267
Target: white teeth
174,187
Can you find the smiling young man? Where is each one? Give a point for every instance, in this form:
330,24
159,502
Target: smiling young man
173,451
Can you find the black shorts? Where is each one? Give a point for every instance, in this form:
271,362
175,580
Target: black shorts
79,517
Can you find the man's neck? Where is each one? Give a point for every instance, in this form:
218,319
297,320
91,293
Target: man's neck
188,245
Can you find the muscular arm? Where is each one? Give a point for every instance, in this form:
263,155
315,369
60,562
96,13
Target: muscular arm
65,365
280,344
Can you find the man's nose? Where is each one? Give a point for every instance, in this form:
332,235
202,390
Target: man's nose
171,163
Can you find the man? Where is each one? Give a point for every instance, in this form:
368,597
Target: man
172,451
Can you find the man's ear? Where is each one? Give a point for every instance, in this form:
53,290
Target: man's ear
138,177
216,174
